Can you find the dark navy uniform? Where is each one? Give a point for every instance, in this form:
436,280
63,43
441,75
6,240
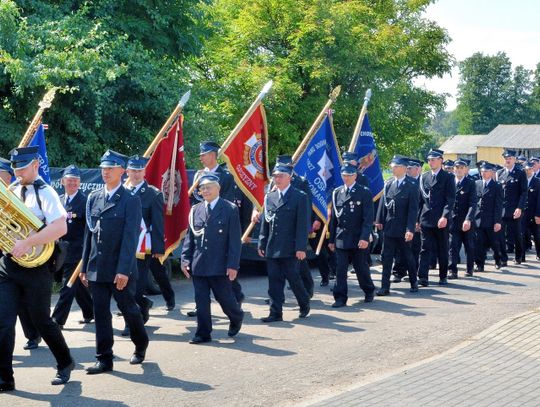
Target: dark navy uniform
152,212
229,191
398,211
437,195
464,209
514,185
213,245
111,238
488,213
284,231
352,221
76,224
531,230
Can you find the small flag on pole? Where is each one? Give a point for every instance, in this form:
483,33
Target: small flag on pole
369,159
320,165
39,141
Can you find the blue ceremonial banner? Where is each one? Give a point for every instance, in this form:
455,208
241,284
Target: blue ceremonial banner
369,159
320,165
39,140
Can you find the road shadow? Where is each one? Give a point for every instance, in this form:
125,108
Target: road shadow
379,304
246,343
70,395
153,376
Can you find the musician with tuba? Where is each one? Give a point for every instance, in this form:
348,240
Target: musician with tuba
28,230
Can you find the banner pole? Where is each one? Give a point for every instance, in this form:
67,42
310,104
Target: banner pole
45,103
358,127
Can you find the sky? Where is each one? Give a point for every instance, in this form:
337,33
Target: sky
487,27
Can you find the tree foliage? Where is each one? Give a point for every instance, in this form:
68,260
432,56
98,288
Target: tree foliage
122,64
491,93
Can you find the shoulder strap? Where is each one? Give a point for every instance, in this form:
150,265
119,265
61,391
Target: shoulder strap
38,184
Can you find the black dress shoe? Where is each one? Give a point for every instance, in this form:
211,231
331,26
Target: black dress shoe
126,331
469,273
368,298
423,282
479,270
267,300
504,264
137,358
453,276
199,339
324,283
86,321
32,343
498,266
338,304
63,375
272,318
234,328
192,313
382,292
6,385
396,279
517,261
170,306
304,312
99,367
443,281
414,288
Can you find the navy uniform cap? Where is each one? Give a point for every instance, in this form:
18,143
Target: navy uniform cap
282,169
71,171
509,153
349,169
349,156
208,178
487,166
137,162
112,159
5,165
399,160
535,159
208,147
522,158
448,163
413,162
435,153
23,156
462,161
284,159
529,164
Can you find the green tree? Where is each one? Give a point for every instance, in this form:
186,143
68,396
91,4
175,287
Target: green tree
491,93
310,46
120,64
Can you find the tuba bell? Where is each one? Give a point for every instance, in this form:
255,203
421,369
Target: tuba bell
17,222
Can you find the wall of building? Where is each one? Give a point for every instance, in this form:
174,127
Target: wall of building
491,154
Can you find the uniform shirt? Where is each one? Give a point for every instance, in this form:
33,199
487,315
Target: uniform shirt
134,188
69,197
51,207
112,191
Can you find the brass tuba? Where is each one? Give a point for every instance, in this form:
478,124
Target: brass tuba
17,222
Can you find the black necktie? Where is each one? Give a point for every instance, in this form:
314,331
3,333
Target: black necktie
280,197
208,210
23,193
68,201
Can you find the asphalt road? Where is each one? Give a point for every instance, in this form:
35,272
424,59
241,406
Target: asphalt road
294,362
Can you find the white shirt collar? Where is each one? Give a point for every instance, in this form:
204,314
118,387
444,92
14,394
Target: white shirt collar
400,180
435,173
487,182
212,203
211,169
136,187
70,197
284,191
113,191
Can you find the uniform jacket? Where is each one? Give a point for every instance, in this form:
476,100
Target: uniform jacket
465,204
352,216
533,199
398,208
284,225
437,195
76,224
514,185
489,208
219,247
111,250
152,213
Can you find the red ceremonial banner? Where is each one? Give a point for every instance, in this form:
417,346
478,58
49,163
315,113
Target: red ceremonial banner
246,156
166,170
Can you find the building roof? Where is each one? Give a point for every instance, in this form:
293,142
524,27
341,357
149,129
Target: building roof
522,136
461,144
